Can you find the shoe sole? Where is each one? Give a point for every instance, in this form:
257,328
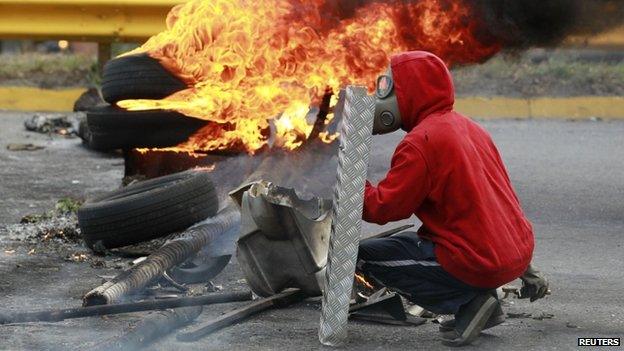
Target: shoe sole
475,326
494,322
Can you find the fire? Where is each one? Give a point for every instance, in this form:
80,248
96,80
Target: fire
256,65
360,279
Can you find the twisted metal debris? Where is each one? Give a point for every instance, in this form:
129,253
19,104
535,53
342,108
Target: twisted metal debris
171,254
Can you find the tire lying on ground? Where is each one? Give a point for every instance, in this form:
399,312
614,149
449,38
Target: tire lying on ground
199,270
112,128
137,77
210,260
83,131
147,210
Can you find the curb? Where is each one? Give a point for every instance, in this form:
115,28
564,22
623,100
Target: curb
37,99
582,107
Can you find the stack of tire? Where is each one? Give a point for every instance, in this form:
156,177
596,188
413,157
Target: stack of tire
138,76
154,209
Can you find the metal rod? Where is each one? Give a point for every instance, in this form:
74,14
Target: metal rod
388,320
151,328
104,55
280,300
321,117
56,315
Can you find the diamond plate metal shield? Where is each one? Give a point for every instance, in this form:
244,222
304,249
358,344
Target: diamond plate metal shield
348,200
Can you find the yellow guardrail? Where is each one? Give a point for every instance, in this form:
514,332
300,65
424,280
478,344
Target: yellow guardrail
133,20
84,20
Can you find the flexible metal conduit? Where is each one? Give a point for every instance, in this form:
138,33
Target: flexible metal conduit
171,254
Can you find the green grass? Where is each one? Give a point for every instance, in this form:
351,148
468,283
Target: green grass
68,205
48,70
46,63
64,206
533,73
553,74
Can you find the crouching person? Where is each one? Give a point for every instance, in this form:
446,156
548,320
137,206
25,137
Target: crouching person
448,172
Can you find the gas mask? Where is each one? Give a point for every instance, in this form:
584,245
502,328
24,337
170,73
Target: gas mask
387,116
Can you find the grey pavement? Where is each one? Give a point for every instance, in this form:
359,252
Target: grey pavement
569,176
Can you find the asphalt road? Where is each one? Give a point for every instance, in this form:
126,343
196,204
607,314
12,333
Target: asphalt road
569,176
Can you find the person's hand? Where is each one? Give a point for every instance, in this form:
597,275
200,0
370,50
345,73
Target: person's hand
534,285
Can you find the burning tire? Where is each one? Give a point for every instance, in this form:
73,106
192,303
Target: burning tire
147,210
137,77
114,128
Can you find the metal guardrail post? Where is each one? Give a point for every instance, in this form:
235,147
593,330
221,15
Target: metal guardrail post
355,139
104,55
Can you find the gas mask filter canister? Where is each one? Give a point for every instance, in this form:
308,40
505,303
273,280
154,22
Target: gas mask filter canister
387,116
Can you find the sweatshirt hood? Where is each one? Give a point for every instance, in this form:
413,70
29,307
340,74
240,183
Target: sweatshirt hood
423,86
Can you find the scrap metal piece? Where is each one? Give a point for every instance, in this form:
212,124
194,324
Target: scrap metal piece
151,328
81,312
280,300
508,290
384,308
355,139
409,322
24,147
173,283
284,239
389,305
168,256
418,311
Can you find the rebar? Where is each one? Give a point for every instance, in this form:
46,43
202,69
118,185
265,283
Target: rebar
283,299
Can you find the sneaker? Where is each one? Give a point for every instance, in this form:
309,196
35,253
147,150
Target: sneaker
470,320
497,318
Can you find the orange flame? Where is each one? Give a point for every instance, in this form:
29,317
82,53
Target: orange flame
253,64
360,279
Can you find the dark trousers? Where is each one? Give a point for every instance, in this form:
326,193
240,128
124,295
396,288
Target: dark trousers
407,264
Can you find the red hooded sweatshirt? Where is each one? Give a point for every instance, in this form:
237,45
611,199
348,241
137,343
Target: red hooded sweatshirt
448,172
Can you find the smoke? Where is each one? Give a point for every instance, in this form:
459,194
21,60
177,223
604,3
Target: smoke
511,23
525,23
